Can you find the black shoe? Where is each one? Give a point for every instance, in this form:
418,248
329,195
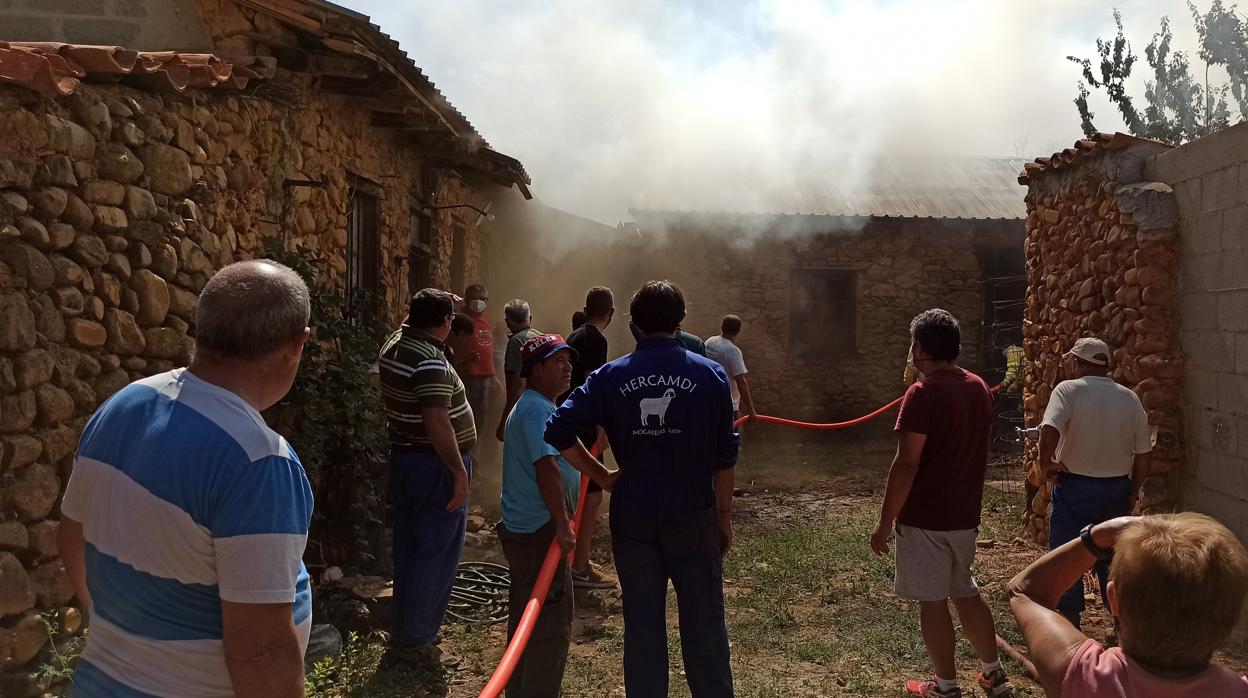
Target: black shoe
425,656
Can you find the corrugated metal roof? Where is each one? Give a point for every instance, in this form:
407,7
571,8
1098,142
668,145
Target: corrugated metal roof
889,186
56,68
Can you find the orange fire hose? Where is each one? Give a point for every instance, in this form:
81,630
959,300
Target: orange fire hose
520,639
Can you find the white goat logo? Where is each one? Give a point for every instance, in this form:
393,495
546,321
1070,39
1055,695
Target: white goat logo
656,406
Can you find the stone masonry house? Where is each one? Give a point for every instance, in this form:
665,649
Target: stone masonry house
825,276
128,177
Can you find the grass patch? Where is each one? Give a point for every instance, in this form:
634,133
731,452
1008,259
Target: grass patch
810,607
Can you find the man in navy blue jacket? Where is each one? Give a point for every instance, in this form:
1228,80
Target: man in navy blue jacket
668,416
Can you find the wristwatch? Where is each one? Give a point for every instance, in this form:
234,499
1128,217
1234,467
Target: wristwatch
1086,536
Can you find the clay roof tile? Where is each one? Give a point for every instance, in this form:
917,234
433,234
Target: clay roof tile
1083,149
54,68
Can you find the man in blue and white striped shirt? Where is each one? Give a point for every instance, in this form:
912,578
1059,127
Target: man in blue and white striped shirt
185,519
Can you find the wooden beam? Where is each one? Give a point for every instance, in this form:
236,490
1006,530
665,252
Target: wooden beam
387,104
398,123
340,66
478,164
379,85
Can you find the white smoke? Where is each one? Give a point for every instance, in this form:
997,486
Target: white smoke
611,100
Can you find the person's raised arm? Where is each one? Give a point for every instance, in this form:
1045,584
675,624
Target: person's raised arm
585,463
550,485
437,421
1051,640
580,413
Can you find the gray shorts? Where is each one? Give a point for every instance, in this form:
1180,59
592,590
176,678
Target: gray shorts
935,565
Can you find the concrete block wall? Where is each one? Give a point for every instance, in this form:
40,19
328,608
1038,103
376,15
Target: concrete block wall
151,25
1210,179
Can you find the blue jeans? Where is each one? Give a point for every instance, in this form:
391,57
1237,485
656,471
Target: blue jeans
1078,501
683,546
428,541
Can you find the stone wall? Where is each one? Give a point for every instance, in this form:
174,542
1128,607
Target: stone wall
723,265
1210,180
141,24
116,206
1103,260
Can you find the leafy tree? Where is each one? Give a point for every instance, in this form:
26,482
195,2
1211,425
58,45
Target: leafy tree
1179,104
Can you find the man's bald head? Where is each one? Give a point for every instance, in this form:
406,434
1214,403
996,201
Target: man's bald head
248,310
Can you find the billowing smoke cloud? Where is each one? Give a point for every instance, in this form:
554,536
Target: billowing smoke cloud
613,102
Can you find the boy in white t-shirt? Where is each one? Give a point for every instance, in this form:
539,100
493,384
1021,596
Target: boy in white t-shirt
724,350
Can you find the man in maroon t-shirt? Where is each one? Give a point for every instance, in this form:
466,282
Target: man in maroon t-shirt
935,489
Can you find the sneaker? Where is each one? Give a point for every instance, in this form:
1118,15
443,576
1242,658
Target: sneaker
996,685
425,656
593,578
930,689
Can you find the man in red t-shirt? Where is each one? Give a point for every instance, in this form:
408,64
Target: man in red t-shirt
935,489
474,357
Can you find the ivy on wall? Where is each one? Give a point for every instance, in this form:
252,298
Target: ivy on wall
335,421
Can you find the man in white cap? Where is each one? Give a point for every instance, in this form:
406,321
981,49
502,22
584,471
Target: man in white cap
1095,440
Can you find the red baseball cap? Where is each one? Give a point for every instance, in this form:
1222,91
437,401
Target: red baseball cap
540,348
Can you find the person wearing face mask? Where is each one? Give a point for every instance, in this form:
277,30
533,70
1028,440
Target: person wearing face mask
474,360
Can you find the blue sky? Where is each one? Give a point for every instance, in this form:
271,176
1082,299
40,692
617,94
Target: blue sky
604,100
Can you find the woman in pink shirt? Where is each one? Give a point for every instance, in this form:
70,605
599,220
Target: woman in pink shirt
1176,589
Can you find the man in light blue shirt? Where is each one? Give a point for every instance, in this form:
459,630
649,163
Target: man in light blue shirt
540,491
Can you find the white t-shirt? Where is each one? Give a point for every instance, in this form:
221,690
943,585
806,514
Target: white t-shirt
1103,426
728,355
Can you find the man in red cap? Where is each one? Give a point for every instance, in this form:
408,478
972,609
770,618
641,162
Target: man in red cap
539,496
1095,440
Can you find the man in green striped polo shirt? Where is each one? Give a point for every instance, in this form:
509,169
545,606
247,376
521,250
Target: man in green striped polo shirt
431,431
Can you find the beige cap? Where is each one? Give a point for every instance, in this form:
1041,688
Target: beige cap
1091,350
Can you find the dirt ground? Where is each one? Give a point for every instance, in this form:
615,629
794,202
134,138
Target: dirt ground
810,609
